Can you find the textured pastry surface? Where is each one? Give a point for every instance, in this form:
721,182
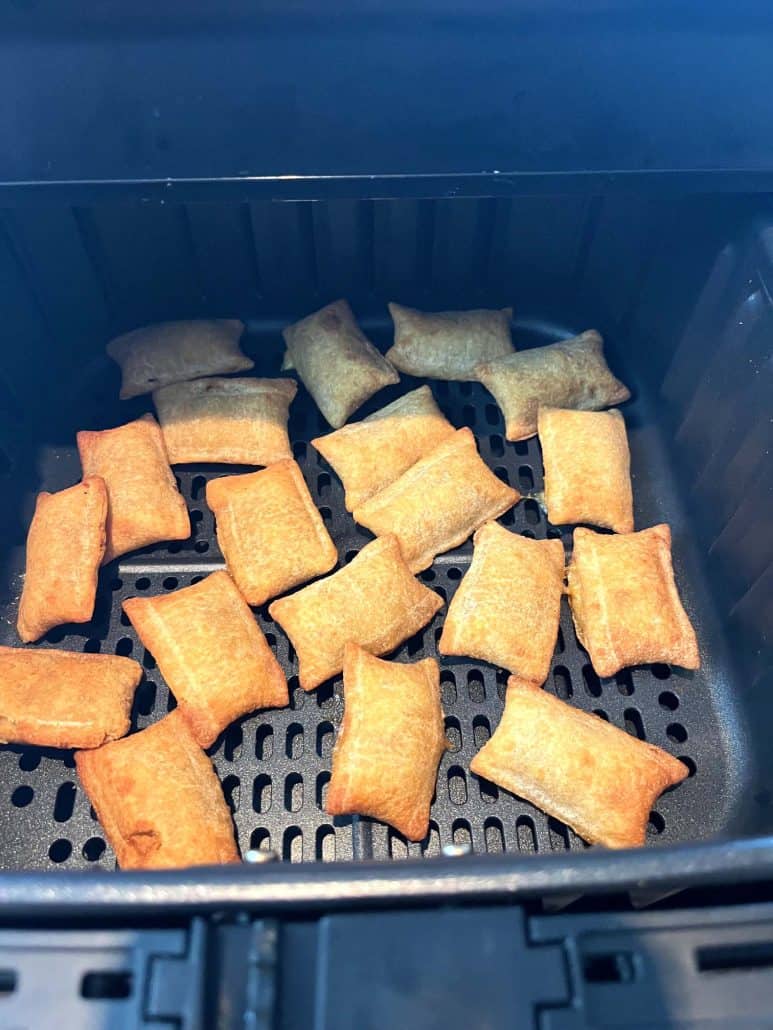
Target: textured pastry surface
144,504
506,610
158,799
569,374
235,421
373,601
439,502
211,652
575,766
337,363
369,455
271,533
587,468
173,352
390,743
65,547
625,603
63,699
448,344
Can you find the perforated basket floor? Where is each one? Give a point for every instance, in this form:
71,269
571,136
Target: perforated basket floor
275,766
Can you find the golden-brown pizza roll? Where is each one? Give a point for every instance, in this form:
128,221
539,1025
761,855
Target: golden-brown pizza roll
144,504
158,799
624,601
65,547
390,743
373,601
269,530
211,652
507,608
576,767
172,352
587,468
234,421
569,374
371,454
448,344
439,501
338,364
62,699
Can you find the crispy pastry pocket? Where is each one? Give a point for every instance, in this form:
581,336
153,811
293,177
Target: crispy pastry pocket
569,374
391,740
62,699
144,504
576,767
211,652
587,468
371,454
234,421
158,799
448,344
439,502
625,603
269,530
172,352
373,601
506,609
65,547
337,363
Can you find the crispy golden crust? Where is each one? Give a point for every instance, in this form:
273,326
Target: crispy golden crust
234,421
506,609
270,532
373,601
144,504
337,363
65,547
172,352
439,501
448,344
624,601
371,454
576,767
159,799
391,740
587,468
61,699
569,374
211,652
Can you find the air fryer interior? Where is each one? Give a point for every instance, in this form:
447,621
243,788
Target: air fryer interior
677,287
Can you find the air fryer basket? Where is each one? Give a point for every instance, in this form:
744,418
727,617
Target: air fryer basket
600,267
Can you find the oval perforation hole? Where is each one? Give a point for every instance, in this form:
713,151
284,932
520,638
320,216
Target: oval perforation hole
29,761
453,733
481,730
145,697
531,511
447,688
428,576
124,647
264,743
668,700
457,785
476,688
60,850
198,486
497,445
170,583
494,836
22,796
676,732
560,645
261,793
94,849
489,792
562,683
521,447
294,740
661,671
634,724
431,843
232,792
461,833
325,736
260,839
600,713
396,844
142,583
232,742
92,646
656,824
525,834
501,473
64,802
325,844
525,478
292,844
624,682
691,766
201,546
299,450
293,792
492,416
323,782
591,681
558,834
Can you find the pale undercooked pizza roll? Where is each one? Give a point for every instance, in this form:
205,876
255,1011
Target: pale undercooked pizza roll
507,608
624,601
65,547
576,767
211,652
62,699
144,504
439,501
371,454
569,374
172,352
390,743
448,344
373,601
158,799
269,530
338,364
234,421
587,468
